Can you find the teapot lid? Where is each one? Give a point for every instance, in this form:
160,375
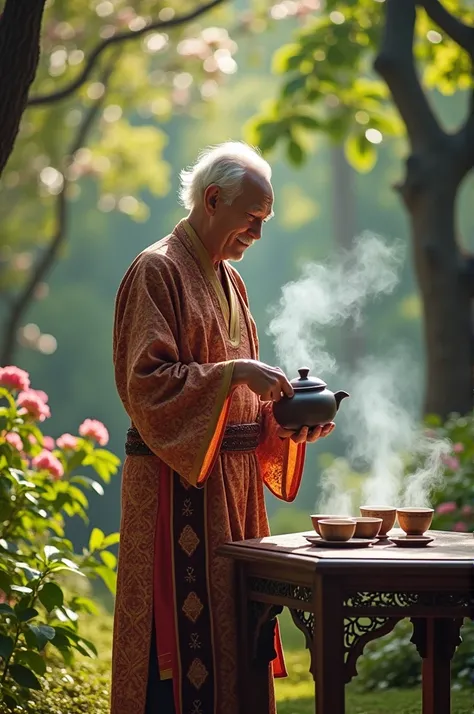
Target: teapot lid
306,382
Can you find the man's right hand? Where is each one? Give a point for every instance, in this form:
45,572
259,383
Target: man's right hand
269,383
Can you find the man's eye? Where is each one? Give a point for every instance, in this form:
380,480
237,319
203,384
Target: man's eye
250,215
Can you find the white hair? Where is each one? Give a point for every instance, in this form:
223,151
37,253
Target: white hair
224,165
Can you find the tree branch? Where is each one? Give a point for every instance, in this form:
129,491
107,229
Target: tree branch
462,34
46,260
20,28
395,64
115,40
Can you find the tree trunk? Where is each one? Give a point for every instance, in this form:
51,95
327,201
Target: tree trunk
430,194
20,27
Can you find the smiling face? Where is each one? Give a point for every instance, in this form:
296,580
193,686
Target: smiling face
236,227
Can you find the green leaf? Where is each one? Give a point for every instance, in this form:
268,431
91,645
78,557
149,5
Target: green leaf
360,153
286,58
111,539
49,551
26,614
78,496
88,483
76,459
295,152
7,610
5,581
51,596
108,577
43,634
109,559
24,676
6,646
308,122
61,641
21,589
34,661
96,539
293,86
85,604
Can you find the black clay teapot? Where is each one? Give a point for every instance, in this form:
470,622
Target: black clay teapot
311,405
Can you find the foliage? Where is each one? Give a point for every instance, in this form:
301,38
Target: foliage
41,482
295,695
328,84
454,501
91,123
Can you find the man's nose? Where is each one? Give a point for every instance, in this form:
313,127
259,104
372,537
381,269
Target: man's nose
256,230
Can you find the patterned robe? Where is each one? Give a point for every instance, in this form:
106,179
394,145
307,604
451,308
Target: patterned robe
177,331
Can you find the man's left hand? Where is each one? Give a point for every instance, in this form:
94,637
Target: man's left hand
307,434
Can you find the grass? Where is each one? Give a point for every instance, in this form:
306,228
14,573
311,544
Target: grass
85,689
295,695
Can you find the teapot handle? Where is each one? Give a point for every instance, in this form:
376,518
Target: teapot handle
303,372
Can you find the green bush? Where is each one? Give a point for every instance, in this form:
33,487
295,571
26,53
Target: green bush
454,500
41,599
393,662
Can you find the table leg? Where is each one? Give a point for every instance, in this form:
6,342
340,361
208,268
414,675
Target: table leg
254,671
441,640
328,644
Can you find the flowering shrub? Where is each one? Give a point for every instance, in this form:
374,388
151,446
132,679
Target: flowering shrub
40,484
454,501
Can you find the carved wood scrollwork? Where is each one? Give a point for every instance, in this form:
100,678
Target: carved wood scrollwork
446,634
359,631
374,600
280,589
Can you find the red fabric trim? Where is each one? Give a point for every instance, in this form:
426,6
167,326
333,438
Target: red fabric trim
163,590
278,664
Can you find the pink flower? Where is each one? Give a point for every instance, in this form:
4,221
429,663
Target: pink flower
48,443
451,462
14,378
40,394
466,510
460,527
31,404
45,461
95,430
448,507
68,442
458,448
14,440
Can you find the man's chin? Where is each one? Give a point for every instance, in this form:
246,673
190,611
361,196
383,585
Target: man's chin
236,258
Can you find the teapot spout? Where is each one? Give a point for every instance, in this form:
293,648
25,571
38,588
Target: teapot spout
339,396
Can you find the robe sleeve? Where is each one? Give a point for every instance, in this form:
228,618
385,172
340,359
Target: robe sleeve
281,461
178,406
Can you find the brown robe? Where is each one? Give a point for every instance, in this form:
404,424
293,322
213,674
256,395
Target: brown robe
177,331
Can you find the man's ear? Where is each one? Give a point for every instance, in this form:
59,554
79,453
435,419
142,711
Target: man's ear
211,198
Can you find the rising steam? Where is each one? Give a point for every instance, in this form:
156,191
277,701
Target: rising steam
380,422
327,295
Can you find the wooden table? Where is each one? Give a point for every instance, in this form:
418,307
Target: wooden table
343,599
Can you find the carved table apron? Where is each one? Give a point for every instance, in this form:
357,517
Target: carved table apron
343,599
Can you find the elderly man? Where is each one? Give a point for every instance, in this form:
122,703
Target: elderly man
201,446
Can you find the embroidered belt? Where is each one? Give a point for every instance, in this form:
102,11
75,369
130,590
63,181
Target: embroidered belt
237,437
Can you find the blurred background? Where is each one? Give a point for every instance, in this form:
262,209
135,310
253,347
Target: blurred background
133,131
125,96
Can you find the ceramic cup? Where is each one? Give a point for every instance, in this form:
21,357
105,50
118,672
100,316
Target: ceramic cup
415,521
386,513
337,528
320,516
367,527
